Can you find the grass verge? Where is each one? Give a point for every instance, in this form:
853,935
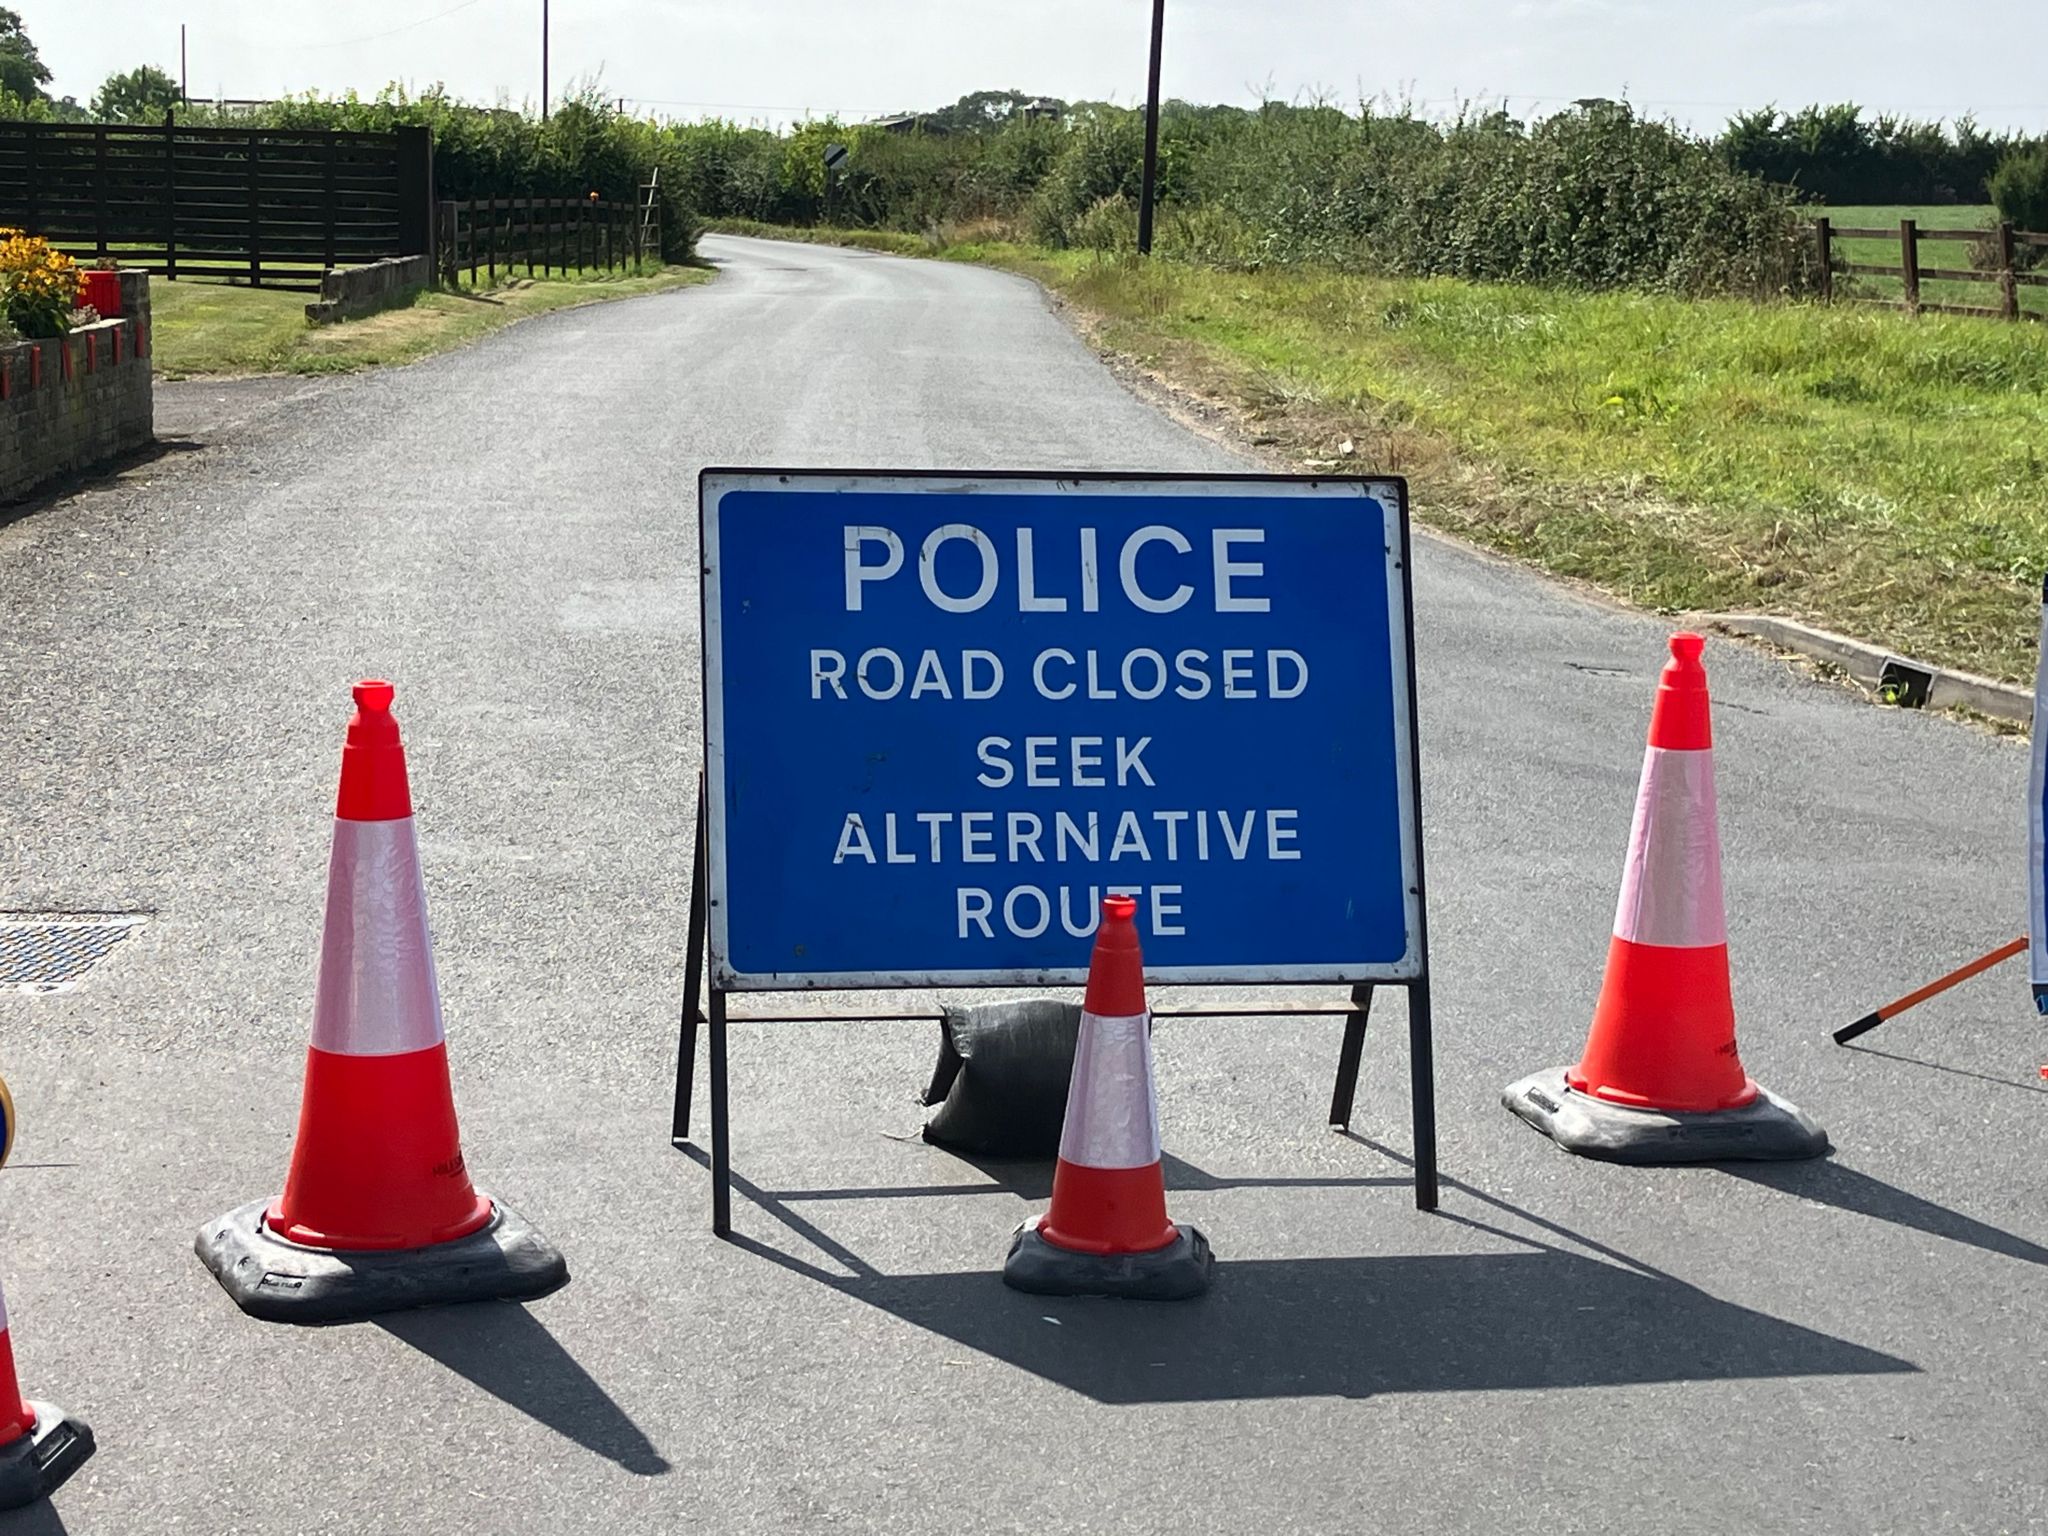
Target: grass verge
1872,474
215,329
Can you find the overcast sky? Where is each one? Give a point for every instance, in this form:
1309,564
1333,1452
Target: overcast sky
775,60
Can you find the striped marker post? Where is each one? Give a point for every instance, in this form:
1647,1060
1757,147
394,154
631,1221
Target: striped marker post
1660,1079
378,1210
40,1445
1107,1233
2037,828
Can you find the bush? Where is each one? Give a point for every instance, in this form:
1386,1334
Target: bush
38,286
1596,198
1208,235
1111,225
2020,188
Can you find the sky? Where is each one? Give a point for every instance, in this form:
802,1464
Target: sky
775,61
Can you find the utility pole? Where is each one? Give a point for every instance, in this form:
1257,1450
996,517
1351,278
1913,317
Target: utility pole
183,99
543,60
1147,192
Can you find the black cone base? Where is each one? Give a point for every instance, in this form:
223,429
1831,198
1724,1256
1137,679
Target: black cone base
284,1282
1176,1272
1767,1128
36,1465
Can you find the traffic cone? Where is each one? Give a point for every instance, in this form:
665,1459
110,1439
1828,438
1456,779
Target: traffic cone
40,1445
1107,1233
1660,1080
378,1211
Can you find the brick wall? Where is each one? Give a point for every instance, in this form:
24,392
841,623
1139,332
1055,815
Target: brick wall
71,402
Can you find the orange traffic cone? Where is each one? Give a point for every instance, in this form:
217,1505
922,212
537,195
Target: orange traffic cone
1107,1233
377,1171
1660,1080
39,1445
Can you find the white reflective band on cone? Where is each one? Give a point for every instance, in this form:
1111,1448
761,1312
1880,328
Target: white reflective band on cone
1671,885
377,995
3,1311
1112,1115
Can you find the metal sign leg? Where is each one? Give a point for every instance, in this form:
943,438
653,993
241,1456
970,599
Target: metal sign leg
1422,1086
721,1141
693,982
1348,1058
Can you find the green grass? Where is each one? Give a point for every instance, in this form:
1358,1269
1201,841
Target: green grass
1933,253
1874,474
212,328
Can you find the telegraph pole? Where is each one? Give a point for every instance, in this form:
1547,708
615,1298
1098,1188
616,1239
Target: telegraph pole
543,60
1147,192
182,97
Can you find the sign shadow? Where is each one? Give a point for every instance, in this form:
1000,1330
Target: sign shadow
1351,1327
1367,1327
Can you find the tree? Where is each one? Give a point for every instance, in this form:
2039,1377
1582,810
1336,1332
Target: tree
22,71
2020,187
140,95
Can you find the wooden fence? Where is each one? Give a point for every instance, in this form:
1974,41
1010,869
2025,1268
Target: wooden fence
487,235
269,207
2006,275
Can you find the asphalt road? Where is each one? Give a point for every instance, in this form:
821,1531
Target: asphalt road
1852,1346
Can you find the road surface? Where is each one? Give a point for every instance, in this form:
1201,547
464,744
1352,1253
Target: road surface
508,531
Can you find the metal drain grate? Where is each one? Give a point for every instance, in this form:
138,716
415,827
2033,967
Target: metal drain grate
51,952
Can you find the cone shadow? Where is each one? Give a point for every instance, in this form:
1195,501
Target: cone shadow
1365,1327
1845,1189
37,1519
504,1349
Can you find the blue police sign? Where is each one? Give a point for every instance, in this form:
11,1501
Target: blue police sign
946,714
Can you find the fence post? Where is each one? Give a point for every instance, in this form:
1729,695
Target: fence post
255,216
447,263
529,234
170,197
99,189
333,196
2008,283
1824,236
491,240
1909,263
416,194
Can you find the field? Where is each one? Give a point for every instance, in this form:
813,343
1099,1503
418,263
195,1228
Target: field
1879,476
1884,477
212,328
1943,254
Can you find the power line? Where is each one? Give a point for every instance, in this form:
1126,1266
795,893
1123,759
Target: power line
371,37
758,106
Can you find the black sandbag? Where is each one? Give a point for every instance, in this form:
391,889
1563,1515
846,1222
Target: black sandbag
1001,1081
